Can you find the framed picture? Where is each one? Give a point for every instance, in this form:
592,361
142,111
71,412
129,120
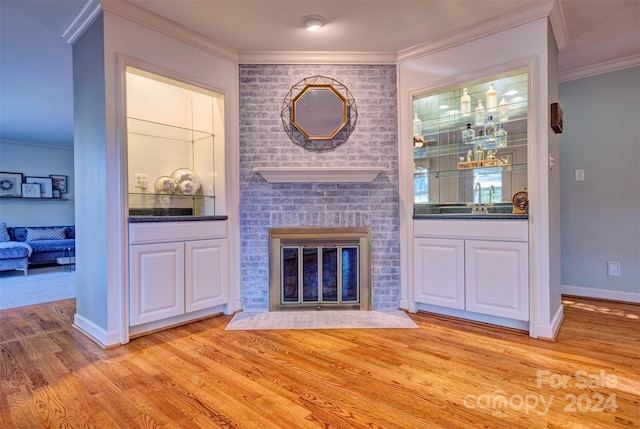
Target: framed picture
59,183
46,185
10,184
30,190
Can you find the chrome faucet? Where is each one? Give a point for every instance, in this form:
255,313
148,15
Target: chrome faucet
479,208
492,191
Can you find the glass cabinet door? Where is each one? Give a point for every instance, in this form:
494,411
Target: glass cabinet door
470,144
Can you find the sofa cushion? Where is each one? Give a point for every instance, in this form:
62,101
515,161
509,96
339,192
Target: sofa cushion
14,252
40,246
4,234
37,234
19,233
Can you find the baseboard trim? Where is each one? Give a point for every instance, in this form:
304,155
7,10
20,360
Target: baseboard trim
610,295
549,332
95,333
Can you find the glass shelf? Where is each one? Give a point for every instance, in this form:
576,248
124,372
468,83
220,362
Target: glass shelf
444,171
165,131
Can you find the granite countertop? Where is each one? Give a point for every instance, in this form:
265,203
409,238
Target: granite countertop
467,216
145,219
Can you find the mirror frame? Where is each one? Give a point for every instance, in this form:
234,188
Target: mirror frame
296,131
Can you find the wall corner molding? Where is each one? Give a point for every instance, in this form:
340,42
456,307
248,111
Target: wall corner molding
606,67
82,21
169,28
522,16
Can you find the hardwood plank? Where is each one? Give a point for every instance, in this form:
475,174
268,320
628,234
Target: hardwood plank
446,374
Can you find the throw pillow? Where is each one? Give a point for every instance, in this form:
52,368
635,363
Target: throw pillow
45,234
4,234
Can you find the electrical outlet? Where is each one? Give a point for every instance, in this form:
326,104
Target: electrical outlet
613,269
580,175
141,180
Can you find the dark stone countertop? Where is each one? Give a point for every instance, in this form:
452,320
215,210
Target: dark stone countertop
467,216
146,219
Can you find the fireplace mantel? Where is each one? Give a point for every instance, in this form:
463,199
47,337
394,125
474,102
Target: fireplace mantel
319,174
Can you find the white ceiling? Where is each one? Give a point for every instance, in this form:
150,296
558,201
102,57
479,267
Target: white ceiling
35,63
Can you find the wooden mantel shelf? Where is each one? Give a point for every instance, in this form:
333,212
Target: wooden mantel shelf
319,174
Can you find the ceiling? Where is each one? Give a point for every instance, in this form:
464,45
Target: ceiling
35,60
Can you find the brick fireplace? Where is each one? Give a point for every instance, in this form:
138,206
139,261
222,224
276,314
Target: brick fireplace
265,205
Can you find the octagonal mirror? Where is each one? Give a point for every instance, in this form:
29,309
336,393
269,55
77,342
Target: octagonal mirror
319,111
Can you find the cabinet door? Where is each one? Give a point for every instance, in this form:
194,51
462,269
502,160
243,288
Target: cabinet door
438,272
205,277
156,284
497,278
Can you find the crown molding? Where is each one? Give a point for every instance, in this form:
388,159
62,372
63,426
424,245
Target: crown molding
607,67
23,143
556,18
169,28
302,57
521,16
82,21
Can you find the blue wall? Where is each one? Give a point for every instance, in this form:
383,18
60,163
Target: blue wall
600,217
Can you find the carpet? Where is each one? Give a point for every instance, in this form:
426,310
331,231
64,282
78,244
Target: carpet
45,284
346,319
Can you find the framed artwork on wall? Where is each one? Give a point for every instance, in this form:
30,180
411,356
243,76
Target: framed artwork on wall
10,184
46,185
59,183
30,190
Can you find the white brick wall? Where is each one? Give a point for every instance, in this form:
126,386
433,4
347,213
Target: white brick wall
263,142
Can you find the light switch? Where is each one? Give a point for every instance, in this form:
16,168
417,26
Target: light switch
580,175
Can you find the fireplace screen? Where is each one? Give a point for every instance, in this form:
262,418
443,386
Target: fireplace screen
319,274
319,268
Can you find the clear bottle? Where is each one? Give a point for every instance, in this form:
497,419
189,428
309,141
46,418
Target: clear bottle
480,114
468,134
503,110
491,98
501,137
480,138
478,154
417,125
489,127
465,103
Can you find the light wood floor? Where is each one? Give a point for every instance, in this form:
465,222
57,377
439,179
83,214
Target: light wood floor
447,374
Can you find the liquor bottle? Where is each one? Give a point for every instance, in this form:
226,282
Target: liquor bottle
501,137
489,127
480,138
468,134
503,110
465,103
417,125
492,98
480,114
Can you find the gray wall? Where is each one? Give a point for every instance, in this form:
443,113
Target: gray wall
40,160
263,142
601,216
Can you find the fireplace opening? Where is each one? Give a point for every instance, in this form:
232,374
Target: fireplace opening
319,269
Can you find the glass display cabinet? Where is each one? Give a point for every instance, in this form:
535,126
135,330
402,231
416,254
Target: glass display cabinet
172,128
470,145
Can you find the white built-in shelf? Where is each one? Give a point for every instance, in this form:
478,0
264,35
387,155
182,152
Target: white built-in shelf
319,174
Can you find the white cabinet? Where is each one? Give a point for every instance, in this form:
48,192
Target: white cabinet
482,275
205,275
173,278
157,282
439,266
496,278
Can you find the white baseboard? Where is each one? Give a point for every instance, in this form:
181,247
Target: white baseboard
95,332
550,331
612,295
